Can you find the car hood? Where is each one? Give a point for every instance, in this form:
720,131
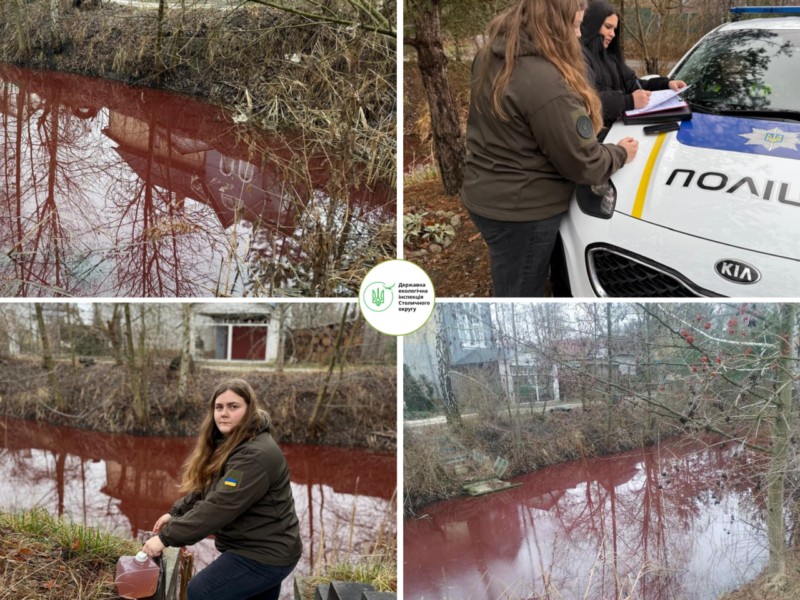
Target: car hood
730,180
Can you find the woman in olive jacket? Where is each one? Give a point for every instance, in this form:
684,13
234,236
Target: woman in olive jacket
616,83
531,136
238,488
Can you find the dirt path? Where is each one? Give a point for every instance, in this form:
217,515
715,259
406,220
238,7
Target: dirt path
521,408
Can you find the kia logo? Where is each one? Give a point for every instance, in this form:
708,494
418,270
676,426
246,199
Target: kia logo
737,271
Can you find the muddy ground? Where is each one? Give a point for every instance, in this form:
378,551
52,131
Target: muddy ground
363,408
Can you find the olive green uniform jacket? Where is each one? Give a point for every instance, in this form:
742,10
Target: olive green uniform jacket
249,508
525,168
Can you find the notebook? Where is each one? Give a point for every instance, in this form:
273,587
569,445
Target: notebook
683,113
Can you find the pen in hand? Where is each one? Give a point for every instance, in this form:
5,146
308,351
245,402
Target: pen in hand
641,98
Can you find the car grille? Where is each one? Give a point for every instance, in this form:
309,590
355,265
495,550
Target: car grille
619,274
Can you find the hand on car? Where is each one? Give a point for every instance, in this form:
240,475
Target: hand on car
631,146
677,85
641,98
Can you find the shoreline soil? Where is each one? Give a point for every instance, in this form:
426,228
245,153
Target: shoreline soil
99,398
528,444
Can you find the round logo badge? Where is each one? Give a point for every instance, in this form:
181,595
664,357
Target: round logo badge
585,128
396,297
378,296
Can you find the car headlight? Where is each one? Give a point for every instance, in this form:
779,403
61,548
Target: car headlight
597,200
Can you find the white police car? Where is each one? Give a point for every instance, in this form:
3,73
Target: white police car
714,208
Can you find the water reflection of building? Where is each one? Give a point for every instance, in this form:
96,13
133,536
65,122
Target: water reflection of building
231,186
16,104
138,193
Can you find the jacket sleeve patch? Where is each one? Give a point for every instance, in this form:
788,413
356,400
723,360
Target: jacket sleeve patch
231,481
583,126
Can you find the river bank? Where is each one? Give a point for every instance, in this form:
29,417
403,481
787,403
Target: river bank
683,518
99,398
529,442
333,83
44,557
768,587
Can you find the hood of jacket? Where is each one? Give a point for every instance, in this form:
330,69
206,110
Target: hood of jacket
593,19
524,44
261,422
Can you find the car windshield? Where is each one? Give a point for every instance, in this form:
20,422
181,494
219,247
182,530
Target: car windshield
744,70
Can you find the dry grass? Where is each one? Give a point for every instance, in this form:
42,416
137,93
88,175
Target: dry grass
377,565
425,479
558,437
772,587
42,557
99,398
332,86
334,83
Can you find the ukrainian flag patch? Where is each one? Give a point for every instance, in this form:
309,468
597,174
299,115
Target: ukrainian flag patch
232,480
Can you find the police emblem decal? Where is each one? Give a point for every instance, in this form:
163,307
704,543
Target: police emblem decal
584,126
772,139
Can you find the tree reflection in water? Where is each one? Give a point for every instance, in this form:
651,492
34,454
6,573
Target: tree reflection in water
123,483
677,521
109,190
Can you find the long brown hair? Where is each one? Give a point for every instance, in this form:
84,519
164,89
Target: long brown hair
549,25
213,448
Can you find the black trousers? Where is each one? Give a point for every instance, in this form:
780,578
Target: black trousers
519,254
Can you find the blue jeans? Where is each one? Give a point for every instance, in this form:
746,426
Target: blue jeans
234,577
519,254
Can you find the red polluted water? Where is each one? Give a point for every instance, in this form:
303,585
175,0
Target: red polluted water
680,520
110,190
124,483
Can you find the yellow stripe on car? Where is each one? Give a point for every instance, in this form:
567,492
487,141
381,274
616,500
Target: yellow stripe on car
644,182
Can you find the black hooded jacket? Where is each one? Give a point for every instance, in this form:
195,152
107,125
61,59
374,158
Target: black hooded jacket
613,79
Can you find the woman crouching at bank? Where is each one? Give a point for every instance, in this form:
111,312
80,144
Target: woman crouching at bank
237,487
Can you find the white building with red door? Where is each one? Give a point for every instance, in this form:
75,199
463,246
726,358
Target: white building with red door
237,331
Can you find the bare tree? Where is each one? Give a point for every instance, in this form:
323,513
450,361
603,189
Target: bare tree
283,309
448,143
47,358
114,330
186,356
610,373
140,409
21,17
781,437
443,314
317,420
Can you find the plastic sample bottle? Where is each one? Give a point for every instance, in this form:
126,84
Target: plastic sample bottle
137,576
